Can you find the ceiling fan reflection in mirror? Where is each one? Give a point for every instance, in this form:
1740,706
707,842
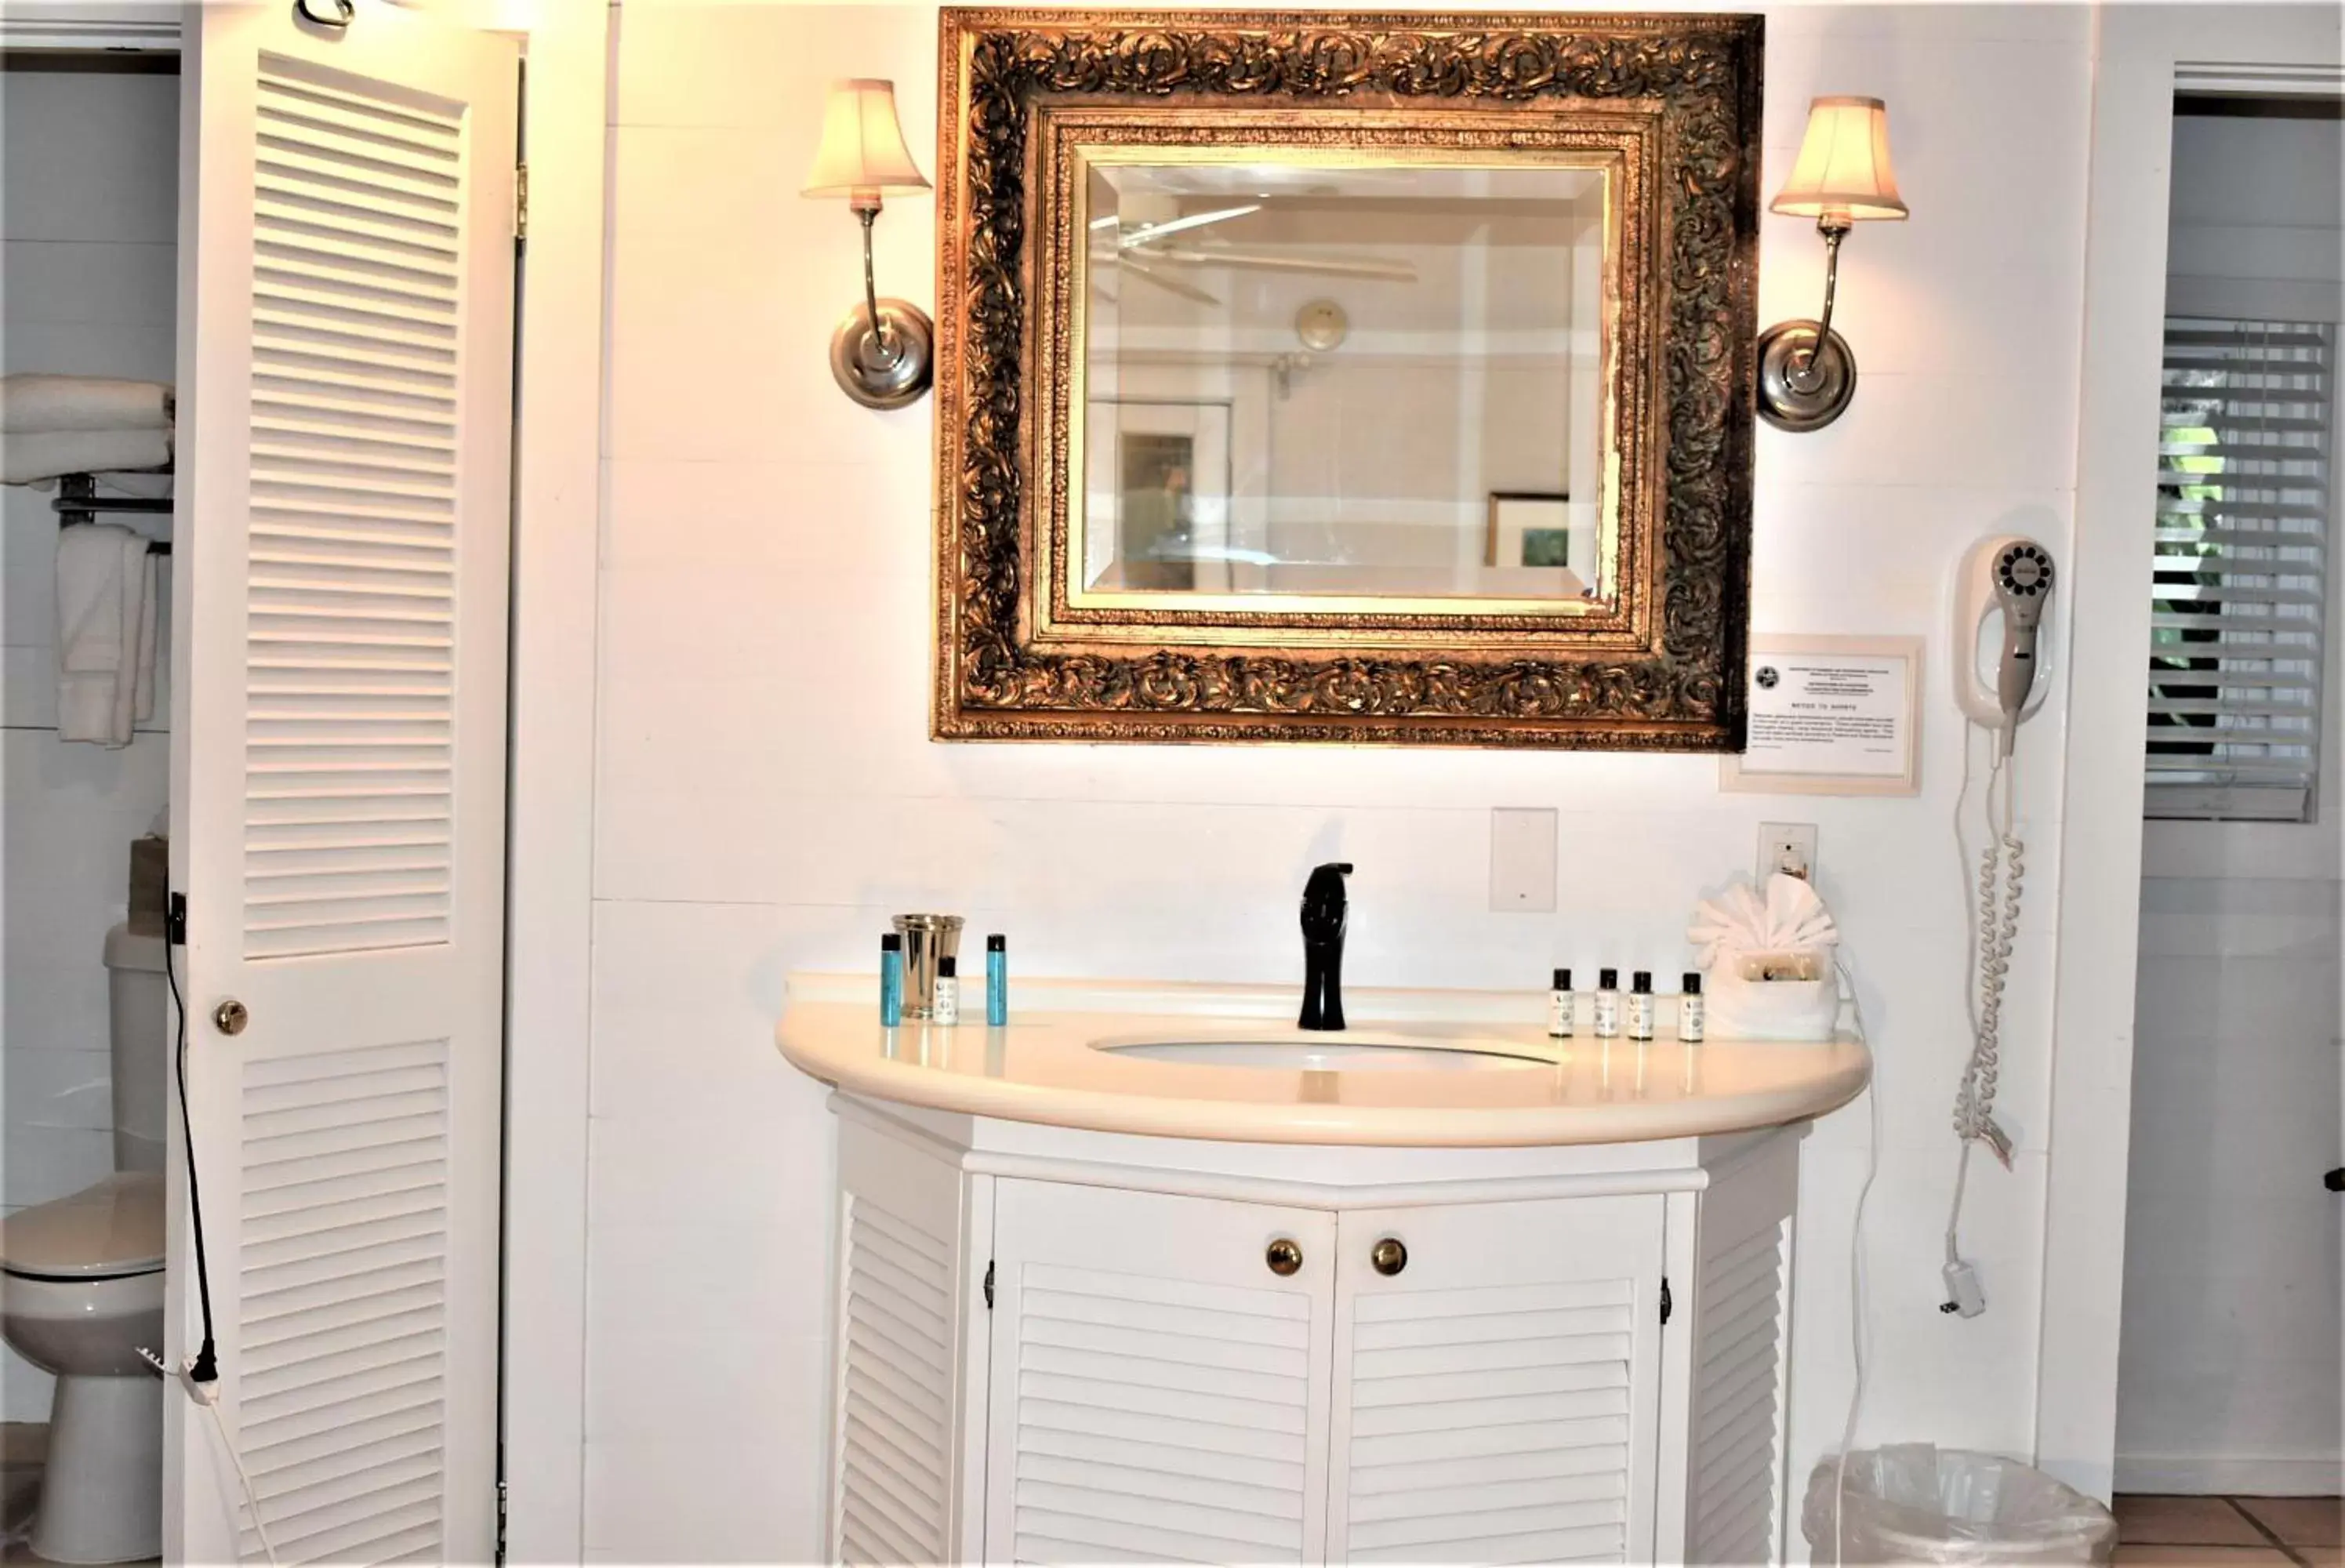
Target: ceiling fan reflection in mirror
1136,239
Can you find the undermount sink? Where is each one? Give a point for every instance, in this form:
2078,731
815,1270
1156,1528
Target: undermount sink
1339,1054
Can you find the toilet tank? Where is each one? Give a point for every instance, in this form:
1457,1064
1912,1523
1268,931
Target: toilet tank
138,999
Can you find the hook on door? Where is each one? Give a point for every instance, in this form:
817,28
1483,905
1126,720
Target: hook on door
341,12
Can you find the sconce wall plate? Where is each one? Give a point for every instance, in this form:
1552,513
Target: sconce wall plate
892,376
1804,385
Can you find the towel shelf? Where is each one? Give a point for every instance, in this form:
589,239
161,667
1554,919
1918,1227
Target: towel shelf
77,500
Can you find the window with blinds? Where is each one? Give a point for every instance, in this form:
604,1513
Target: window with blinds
2241,570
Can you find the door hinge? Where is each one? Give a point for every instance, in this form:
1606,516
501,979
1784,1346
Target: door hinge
1665,1299
503,1497
988,1284
521,201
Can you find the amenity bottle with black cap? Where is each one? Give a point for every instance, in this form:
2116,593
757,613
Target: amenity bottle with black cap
891,980
997,980
1690,1009
1608,1004
1641,1004
947,1011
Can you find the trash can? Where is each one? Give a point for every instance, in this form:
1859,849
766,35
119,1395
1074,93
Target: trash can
1918,1503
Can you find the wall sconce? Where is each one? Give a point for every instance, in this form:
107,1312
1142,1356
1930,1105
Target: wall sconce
1806,373
880,353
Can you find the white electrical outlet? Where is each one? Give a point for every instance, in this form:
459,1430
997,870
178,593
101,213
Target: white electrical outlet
1787,846
1522,861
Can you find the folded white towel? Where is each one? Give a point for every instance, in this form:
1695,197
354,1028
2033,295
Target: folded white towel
105,633
38,402
134,684
149,649
29,457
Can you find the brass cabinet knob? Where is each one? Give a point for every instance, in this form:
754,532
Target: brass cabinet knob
230,1016
1388,1256
1285,1257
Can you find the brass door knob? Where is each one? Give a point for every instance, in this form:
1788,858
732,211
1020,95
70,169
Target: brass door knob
1284,1255
1388,1256
230,1016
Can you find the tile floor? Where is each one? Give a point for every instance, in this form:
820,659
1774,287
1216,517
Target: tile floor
2273,1532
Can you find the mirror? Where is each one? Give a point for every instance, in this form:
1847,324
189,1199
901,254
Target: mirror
1383,380
1342,381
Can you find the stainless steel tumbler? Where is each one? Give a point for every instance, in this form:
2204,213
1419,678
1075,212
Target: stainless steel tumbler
927,938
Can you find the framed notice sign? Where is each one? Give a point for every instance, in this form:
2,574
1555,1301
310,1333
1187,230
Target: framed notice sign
1831,715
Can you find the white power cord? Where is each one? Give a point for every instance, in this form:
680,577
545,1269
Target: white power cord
207,1394
1992,921
1858,1305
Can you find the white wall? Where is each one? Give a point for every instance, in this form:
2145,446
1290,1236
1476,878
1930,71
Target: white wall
2229,1363
89,216
768,796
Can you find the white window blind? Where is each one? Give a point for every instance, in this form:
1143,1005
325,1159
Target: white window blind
2241,564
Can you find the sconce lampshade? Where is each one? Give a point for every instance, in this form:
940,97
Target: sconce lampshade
1842,172
863,152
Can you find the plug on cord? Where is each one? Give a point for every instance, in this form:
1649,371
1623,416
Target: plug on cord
1965,1295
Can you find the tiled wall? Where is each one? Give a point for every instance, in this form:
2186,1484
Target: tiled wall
2229,1369
89,222
767,794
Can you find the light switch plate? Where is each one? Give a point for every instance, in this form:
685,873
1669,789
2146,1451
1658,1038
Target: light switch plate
1522,860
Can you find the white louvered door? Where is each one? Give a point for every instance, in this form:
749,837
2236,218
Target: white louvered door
1157,1393
1497,1399
338,799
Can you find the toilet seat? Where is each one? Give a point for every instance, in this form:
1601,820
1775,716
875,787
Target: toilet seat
111,1229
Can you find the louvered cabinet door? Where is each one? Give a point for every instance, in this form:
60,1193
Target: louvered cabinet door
902,1313
1497,1399
1158,1393
338,796
1735,1342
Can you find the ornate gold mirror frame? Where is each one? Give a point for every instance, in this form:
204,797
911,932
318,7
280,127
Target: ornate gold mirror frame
1667,105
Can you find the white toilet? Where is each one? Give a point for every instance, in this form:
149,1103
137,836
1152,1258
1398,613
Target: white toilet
81,1292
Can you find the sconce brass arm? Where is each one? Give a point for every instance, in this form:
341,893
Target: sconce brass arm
880,335
1803,373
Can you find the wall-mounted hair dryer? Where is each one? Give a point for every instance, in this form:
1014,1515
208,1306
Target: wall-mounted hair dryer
2002,592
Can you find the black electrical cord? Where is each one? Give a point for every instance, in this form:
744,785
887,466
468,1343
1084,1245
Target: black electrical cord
205,1368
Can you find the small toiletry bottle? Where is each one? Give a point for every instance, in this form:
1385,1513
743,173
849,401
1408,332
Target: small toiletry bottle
948,1010
1641,1004
891,980
997,980
1559,1006
1690,1007
1608,1004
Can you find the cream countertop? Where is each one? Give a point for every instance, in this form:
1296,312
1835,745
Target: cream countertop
1043,1067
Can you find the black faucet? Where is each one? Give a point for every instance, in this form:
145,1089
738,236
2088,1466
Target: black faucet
1325,912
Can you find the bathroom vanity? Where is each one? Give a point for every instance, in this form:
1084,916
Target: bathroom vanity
1149,1274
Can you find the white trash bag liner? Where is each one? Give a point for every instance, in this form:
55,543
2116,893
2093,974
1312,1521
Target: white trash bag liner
1918,1503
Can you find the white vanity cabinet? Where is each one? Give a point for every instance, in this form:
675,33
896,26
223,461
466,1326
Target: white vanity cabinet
1061,1346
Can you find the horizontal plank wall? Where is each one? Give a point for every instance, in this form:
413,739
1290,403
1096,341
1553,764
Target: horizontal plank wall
766,796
